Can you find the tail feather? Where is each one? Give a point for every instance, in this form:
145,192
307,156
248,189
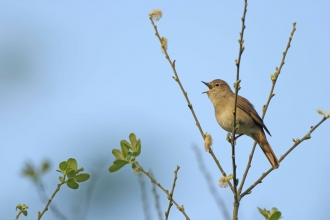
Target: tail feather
260,138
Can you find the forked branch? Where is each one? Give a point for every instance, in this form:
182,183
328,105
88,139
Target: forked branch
274,78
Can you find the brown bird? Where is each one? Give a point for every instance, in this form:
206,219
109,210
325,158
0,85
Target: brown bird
249,121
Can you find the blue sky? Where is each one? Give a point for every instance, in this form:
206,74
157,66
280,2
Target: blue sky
77,77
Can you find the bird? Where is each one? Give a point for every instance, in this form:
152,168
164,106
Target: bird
250,123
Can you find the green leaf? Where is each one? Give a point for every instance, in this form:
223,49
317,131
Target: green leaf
117,153
120,162
19,206
132,138
63,165
125,146
134,166
72,185
82,177
71,179
138,147
45,167
68,169
72,163
61,179
71,173
273,210
79,170
264,212
29,171
114,168
24,212
59,171
320,112
275,216
124,143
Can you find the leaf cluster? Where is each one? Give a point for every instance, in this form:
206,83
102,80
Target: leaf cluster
127,153
35,173
22,208
273,214
71,174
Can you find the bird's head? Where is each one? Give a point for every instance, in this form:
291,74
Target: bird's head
217,89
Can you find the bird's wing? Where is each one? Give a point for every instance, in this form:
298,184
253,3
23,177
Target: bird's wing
247,107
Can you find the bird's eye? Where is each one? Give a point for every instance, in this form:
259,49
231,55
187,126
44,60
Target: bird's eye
217,85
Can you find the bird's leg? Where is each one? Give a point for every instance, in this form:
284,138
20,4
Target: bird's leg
229,137
238,136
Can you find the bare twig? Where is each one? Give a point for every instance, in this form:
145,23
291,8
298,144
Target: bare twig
170,197
144,197
297,142
50,200
213,191
177,79
19,213
53,208
220,168
265,107
154,192
180,208
237,87
98,166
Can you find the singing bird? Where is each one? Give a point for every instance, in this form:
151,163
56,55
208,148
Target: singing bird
249,121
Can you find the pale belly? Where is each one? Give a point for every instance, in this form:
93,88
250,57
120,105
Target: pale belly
246,123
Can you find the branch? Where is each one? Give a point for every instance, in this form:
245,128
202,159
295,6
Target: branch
170,197
274,78
154,192
181,208
19,213
43,196
144,198
208,178
50,200
297,142
237,87
177,79
220,168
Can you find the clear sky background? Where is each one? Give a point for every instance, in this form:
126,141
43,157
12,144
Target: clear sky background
77,77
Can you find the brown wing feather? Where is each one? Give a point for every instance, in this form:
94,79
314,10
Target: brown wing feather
247,107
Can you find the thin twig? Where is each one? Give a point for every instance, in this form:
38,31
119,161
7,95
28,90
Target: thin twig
177,79
265,107
144,197
180,208
154,192
170,197
19,213
50,200
237,87
220,168
297,142
209,181
53,208
98,166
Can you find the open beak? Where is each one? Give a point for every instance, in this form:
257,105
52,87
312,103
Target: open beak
208,85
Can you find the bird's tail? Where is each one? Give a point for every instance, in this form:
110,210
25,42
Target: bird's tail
260,138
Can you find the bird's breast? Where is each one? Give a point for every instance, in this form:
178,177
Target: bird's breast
225,118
